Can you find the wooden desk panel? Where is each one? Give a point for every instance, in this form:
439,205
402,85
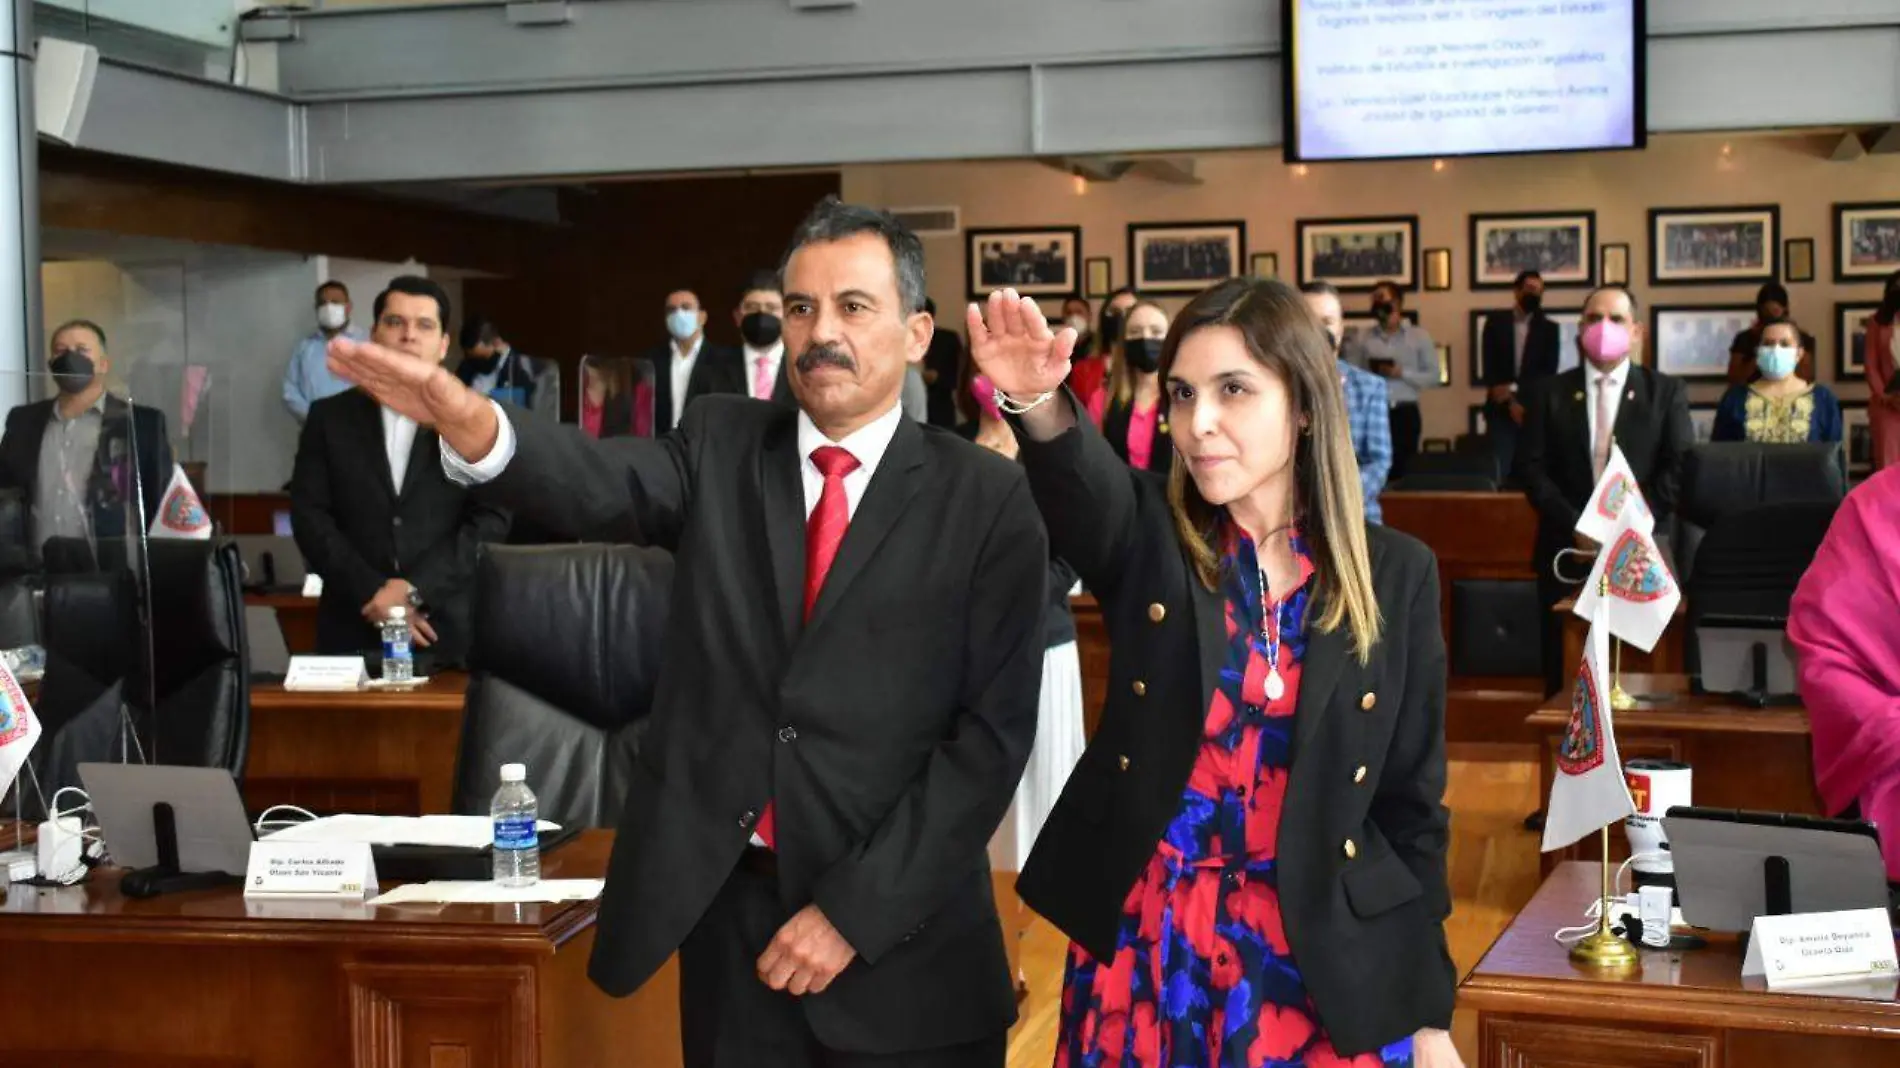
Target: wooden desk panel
386,753
296,617
1691,1009
1754,758
246,513
1091,643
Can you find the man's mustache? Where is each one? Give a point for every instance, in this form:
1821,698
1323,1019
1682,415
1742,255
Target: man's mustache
825,355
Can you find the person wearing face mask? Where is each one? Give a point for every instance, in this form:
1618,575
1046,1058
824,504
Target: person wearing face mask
1779,407
67,455
1771,305
1093,367
492,367
1403,353
1077,316
1366,403
760,317
1882,360
1570,422
308,380
1517,349
1132,412
686,366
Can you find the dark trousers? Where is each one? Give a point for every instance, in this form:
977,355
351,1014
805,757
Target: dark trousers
1503,432
1407,425
729,1018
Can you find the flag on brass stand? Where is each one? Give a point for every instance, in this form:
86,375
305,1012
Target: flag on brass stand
181,514
1589,791
1615,493
1640,597
19,728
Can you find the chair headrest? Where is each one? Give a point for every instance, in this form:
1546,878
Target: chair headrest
1721,478
581,626
1751,560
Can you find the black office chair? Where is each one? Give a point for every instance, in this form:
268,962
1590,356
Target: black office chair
200,680
1747,567
567,646
1723,478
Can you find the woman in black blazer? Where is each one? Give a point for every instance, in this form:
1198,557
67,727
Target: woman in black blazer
1134,414
1250,857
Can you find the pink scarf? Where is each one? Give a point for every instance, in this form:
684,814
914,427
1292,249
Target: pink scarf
1844,623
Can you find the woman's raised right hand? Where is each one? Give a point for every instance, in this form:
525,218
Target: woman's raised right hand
1011,343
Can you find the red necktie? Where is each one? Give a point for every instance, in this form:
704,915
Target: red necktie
824,532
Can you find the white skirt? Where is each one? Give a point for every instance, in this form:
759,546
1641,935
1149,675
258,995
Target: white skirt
1059,743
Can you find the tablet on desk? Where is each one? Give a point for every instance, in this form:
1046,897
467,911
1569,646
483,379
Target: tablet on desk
1732,866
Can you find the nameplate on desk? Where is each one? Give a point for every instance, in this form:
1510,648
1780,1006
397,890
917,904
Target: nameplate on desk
332,673
1820,947
339,870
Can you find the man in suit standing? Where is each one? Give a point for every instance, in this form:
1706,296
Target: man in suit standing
851,692
760,318
371,508
1519,347
685,366
1570,422
70,456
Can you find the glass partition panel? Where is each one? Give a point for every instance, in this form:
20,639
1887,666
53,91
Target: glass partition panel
615,397
196,38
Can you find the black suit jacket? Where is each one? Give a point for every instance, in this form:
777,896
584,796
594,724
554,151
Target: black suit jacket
720,369
1368,929
357,532
1553,455
1541,344
20,462
890,730
1115,418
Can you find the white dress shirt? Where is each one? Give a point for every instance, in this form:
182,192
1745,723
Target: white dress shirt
399,437
772,357
680,374
1619,379
485,384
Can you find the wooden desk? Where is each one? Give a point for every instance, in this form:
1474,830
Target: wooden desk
1091,643
246,513
296,617
207,979
387,753
1755,758
1690,1009
1665,659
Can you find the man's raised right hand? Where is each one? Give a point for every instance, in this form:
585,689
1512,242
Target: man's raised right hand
421,390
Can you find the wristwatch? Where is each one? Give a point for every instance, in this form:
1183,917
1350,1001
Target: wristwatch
415,599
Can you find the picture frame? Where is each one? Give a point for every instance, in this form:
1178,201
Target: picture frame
1356,254
1264,265
1184,257
1615,265
1702,420
1850,339
1797,258
1100,272
1437,270
1707,246
1866,240
1691,342
1569,323
1561,246
1857,439
1036,261
1444,363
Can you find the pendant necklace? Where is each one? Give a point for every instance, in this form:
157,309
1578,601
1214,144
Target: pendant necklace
1270,633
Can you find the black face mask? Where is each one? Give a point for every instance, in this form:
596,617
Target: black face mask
481,365
760,329
1143,354
72,371
1332,341
1382,310
1111,329
1533,303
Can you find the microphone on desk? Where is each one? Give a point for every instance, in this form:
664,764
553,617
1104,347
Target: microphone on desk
270,569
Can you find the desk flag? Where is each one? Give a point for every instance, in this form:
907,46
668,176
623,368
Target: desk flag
1615,492
181,514
19,728
1642,594
1589,791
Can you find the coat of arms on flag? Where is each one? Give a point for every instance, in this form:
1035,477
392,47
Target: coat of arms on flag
19,728
1589,791
1616,491
1632,584
1634,572
1582,747
181,514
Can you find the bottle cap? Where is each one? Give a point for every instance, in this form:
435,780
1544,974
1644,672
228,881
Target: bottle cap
514,773
397,612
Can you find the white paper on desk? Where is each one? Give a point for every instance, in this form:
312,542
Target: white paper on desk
453,892
467,832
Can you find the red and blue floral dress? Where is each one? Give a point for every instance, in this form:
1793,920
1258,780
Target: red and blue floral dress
1202,974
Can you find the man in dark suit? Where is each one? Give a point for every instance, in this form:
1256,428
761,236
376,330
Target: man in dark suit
834,740
1519,348
73,457
760,317
490,366
686,366
371,508
1570,422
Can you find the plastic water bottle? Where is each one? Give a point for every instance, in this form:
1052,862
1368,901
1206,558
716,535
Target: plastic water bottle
517,843
399,657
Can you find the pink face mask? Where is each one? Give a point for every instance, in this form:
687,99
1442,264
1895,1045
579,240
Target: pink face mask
1606,342
985,392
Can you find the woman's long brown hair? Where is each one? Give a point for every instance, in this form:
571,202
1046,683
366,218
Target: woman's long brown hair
1282,336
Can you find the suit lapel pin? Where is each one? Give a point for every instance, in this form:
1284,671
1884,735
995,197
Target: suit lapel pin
1577,396
1631,395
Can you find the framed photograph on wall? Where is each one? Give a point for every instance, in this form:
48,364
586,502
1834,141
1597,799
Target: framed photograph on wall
1265,265
1184,257
1357,254
1797,259
1569,321
1858,439
1101,277
1866,241
1437,270
1559,245
1693,341
1702,419
1034,261
1616,265
1444,363
1850,339
1699,246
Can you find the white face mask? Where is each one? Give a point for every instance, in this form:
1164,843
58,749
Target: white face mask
331,316
1079,323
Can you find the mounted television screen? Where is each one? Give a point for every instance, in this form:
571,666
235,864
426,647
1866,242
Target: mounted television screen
1398,79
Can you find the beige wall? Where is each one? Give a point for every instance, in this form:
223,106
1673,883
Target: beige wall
1792,170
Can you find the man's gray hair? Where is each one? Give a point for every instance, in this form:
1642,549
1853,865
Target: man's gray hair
832,219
